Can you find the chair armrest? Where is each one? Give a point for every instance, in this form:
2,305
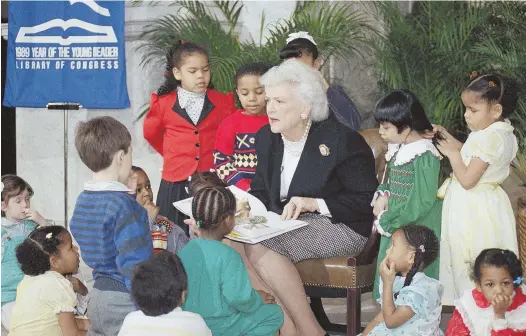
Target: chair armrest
369,252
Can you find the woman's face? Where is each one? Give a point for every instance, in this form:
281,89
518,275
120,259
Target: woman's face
284,109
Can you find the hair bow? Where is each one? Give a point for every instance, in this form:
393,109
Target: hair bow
473,74
421,248
518,280
49,235
198,224
491,84
301,34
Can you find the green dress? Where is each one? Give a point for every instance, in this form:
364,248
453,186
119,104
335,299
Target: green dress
412,182
220,291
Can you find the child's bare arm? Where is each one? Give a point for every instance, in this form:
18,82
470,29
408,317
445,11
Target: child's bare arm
68,325
376,321
394,317
469,175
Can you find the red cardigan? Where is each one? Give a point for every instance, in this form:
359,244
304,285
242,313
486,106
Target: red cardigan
185,147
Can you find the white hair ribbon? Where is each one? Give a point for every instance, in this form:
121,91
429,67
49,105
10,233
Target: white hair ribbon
301,34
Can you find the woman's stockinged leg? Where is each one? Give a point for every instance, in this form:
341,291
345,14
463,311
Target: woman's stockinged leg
280,275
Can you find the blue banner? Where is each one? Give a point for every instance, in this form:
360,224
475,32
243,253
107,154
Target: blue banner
66,51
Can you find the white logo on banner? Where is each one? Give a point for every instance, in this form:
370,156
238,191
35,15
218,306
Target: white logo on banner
92,57
108,34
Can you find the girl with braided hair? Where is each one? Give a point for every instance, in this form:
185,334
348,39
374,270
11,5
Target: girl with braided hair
182,123
219,288
46,300
497,304
410,299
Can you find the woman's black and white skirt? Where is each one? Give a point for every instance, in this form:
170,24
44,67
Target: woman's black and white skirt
320,239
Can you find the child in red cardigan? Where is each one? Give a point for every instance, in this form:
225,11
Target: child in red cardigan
182,123
497,306
235,151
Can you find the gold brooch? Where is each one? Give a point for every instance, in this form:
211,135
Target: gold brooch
324,150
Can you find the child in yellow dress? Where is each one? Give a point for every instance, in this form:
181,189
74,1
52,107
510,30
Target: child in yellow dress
45,299
477,213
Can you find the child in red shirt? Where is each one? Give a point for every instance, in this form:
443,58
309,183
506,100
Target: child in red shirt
235,157
182,123
497,306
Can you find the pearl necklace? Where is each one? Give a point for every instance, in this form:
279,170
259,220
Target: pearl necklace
295,148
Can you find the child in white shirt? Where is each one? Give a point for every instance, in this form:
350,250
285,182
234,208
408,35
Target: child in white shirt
158,288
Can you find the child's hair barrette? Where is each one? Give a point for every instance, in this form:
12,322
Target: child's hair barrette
167,74
49,235
422,248
198,224
518,280
473,74
491,84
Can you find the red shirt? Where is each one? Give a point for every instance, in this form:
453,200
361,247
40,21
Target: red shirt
235,157
185,147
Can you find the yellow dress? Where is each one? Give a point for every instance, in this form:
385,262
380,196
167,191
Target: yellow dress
479,218
38,301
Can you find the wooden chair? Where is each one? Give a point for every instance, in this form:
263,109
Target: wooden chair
345,277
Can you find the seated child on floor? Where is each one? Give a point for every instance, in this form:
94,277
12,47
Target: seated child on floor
497,304
18,221
45,299
219,288
159,290
165,235
410,299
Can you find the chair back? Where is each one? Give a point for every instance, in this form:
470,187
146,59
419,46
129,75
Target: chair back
379,148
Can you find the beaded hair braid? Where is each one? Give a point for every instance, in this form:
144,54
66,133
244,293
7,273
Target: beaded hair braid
426,246
211,206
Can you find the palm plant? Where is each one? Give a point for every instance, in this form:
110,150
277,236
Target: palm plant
432,50
338,29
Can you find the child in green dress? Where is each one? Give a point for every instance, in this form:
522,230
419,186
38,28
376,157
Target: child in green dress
408,193
219,288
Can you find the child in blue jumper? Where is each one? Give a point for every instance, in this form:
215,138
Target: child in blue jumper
110,226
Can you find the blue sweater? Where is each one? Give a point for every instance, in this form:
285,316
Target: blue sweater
113,233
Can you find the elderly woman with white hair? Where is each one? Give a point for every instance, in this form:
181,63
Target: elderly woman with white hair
313,168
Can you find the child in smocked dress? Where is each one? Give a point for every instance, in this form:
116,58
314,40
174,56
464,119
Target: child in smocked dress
477,212
408,193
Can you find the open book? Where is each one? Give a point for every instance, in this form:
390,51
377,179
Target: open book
245,231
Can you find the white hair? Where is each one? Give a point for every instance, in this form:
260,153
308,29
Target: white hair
308,83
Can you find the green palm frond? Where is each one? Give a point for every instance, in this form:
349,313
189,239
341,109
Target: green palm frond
431,51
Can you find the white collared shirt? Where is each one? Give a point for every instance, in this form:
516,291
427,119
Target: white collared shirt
192,103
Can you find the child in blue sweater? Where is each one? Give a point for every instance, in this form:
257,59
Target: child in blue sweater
111,228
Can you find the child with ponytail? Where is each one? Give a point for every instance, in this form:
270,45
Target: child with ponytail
410,299
182,123
46,300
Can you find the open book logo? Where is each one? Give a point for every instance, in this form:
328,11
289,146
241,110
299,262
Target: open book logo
103,34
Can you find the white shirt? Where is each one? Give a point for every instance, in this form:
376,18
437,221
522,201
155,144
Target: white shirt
288,168
192,103
177,322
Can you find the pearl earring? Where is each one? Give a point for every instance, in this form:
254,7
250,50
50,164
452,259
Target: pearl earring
303,116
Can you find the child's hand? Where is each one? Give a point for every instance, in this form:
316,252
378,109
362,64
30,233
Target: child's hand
33,215
193,226
380,205
447,147
500,304
78,286
387,272
267,298
152,209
